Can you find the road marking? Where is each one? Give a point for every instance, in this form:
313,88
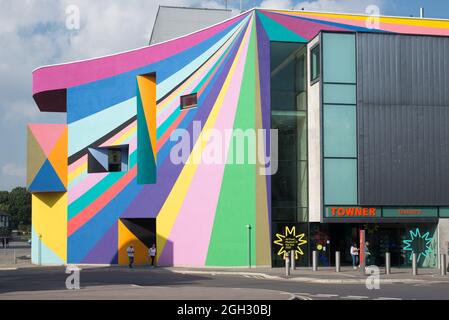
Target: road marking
386,298
355,297
324,295
136,286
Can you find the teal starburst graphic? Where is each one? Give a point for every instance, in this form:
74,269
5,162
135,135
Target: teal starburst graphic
417,236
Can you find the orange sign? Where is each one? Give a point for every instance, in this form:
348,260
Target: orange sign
352,212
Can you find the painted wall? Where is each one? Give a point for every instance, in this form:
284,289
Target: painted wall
198,208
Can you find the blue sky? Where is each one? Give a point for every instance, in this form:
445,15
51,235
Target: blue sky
33,34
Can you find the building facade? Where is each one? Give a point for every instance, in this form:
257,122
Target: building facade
353,108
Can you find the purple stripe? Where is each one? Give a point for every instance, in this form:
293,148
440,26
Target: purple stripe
105,251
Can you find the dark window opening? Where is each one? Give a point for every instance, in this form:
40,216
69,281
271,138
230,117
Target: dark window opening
107,159
189,101
315,63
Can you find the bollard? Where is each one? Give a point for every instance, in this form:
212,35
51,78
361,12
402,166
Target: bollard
443,264
337,261
292,259
287,267
414,264
387,263
14,256
315,260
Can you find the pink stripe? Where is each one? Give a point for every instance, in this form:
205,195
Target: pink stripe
198,212
84,185
75,165
120,134
304,28
77,73
90,180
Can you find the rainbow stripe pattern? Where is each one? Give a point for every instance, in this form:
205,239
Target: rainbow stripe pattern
133,98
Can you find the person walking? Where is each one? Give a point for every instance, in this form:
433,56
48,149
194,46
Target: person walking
354,255
130,252
367,254
152,254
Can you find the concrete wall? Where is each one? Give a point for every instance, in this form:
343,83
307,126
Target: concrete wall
443,237
172,22
314,142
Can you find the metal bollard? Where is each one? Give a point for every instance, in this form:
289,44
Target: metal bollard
315,260
443,264
414,264
387,263
14,256
287,266
292,260
337,261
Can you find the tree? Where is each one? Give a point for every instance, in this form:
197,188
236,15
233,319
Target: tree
18,204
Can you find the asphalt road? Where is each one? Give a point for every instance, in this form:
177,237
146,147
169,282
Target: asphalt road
147,283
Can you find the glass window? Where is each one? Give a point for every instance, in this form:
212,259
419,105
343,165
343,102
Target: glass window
315,63
339,93
339,62
340,181
189,101
339,125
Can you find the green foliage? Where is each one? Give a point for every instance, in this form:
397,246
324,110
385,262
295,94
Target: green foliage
18,204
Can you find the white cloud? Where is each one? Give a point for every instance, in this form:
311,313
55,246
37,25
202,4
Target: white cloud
13,170
348,6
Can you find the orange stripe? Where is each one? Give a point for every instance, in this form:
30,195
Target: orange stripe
81,218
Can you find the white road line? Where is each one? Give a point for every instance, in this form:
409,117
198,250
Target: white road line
324,295
355,297
386,298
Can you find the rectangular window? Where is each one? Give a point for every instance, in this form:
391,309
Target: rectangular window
340,181
315,63
189,101
107,159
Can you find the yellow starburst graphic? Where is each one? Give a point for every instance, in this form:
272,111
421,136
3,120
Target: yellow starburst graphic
290,241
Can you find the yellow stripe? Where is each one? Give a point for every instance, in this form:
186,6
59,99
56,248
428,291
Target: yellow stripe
169,212
443,24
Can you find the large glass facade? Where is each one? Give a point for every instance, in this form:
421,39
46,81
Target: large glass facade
289,117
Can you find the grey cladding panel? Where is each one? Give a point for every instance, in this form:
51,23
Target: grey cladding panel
403,119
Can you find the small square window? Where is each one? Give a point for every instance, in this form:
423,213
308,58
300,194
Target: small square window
108,159
315,63
189,101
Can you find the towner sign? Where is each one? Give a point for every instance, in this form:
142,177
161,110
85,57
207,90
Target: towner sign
353,212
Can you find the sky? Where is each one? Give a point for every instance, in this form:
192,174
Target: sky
33,33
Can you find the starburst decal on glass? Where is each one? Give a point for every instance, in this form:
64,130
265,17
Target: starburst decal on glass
290,241
415,236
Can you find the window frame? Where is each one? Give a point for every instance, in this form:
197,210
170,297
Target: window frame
317,77
188,107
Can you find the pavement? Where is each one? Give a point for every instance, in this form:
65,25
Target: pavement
326,275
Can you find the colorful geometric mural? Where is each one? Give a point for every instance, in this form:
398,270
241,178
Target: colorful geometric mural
47,158
133,99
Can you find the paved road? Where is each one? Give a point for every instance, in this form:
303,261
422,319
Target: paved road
147,283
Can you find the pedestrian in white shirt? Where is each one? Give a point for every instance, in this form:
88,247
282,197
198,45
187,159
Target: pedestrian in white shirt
354,255
152,254
130,252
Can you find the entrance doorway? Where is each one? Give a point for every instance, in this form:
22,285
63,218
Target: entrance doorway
138,232
382,238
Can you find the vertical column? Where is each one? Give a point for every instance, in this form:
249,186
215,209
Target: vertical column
146,129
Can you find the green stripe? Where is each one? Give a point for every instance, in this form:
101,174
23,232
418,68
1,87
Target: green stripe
277,32
236,206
